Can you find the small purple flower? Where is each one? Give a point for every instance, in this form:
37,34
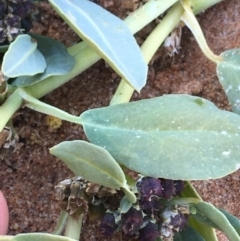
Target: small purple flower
179,186
173,217
108,224
131,221
149,232
12,21
152,204
167,188
149,186
3,6
178,222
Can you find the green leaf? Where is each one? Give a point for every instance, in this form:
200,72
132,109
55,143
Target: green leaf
235,222
173,136
188,234
125,205
201,218
228,71
40,237
23,58
91,162
206,232
59,62
3,48
216,217
108,36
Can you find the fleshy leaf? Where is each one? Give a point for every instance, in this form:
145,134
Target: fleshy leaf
201,218
23,58
217,217
207,232
173,136
91,162
125,205
40,237
59,62
228,71
235,222
188,234
108,35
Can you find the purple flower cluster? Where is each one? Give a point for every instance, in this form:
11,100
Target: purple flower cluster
150,217
14,18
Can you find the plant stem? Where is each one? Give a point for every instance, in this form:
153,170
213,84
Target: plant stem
42,107
74,226
12,104
124,91
6,238
60,223
85,57
190,20
163,29
148,12
76,48
207,232
199,6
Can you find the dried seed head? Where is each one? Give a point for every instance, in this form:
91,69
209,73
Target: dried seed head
71,194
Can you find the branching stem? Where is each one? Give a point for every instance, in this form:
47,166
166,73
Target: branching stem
124,91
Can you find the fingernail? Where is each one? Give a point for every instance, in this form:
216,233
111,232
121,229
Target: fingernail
4,215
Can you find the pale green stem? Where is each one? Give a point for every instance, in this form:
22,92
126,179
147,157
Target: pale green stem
129,194
147,13
207,233
60,223
44,108
87,57
190,20
6,238
190,191
200,5
12,104
76,48
73,227
218,218
84,57
160,33
182,201
124,91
